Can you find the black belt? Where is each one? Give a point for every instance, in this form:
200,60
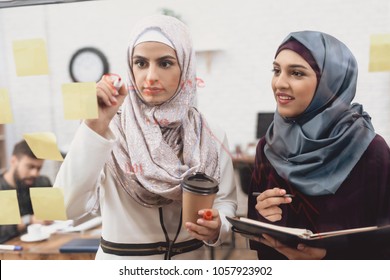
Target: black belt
169,247
125,249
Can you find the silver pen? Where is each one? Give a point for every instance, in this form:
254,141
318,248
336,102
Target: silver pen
286,195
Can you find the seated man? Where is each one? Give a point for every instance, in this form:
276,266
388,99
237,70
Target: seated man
22,174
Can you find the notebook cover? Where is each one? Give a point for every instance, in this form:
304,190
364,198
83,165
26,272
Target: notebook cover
81,245
379,237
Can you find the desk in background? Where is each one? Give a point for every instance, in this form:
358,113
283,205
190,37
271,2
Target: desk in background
243,159
48,249
244,164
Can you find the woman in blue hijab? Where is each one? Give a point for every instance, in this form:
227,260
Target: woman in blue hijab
323,149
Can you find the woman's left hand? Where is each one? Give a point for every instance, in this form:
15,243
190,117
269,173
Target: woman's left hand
302,252
205,229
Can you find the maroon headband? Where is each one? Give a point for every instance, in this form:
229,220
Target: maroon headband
300,49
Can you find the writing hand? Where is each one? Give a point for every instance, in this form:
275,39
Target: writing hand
268,203
109,101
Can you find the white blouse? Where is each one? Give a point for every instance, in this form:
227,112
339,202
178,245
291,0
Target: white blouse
90,189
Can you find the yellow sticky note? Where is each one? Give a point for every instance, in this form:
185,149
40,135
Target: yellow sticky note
48,203
30,57
379,53
5,107
80,101
43,145
9,214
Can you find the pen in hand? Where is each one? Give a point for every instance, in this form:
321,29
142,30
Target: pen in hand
286,195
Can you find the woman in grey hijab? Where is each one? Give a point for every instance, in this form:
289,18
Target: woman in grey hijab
323,149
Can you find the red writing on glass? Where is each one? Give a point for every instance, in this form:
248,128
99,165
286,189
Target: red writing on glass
134,168
198,82
162,122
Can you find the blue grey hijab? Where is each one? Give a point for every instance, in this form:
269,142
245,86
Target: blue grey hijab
317,150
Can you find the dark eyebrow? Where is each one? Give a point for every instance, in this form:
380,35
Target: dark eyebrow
297,66
159,59
167,57
291,65
139,57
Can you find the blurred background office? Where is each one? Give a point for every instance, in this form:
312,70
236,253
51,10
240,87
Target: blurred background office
234,41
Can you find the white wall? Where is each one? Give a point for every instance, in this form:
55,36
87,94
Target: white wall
237,85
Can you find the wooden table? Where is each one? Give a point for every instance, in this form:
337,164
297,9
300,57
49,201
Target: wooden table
47,249
243,159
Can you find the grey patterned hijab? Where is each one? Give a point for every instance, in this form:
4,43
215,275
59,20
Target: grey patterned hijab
159,145
317,150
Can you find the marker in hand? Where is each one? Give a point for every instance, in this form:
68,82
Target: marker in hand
207,215
117,83
116,80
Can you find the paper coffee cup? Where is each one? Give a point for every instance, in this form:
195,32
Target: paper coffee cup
199,191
